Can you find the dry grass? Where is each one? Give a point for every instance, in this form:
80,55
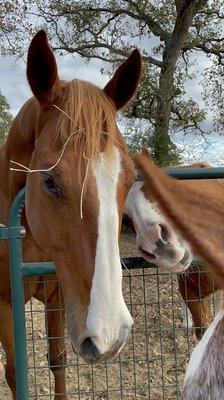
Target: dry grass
152,363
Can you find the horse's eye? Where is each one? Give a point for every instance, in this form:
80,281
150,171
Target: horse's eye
51,185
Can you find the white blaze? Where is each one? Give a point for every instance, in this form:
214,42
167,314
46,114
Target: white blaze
139,209
108,317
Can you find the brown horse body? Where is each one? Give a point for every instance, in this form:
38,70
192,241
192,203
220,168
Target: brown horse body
67,133
198,289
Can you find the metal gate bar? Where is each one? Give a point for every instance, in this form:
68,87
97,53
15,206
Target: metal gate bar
196,173
14,232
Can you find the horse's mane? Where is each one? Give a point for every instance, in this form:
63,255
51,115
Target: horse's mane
91,116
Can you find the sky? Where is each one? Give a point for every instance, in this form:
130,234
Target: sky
15,87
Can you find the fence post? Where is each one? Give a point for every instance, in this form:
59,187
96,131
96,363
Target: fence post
15,255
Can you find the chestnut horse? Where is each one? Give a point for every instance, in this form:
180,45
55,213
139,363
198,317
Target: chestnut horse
64,144
198,214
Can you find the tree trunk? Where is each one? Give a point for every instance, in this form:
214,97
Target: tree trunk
164,151
163,148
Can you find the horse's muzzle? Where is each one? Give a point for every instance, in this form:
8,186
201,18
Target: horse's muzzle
90,352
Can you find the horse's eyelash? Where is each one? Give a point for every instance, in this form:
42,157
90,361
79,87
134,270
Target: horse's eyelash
55,189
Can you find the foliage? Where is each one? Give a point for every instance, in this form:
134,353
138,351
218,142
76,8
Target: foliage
171,35
214,95
137,139
5,117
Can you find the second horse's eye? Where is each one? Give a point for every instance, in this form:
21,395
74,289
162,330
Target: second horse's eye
51,185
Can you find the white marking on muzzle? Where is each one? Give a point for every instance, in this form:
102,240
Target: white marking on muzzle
108,319
139,209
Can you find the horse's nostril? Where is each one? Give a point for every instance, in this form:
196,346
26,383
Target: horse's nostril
165,232
88,349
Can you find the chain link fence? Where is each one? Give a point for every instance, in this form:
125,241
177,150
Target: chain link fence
152,363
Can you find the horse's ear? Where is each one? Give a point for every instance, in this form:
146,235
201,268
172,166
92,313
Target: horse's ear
138,171
42,70
196,211
146,152
124,83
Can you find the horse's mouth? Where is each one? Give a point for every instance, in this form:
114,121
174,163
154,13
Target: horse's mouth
146,254
186,259
110,355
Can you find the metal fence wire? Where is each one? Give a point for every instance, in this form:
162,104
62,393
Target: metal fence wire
152,363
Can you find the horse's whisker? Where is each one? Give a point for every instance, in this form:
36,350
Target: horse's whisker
122,262
63,350
83,186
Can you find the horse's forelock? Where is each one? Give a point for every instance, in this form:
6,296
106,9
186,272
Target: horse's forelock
91,115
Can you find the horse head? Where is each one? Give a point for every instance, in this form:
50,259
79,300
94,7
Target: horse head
157,241
78,177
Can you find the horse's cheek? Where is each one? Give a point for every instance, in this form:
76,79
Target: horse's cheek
36,214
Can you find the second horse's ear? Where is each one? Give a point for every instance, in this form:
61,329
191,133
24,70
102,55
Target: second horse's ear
42,70
121,88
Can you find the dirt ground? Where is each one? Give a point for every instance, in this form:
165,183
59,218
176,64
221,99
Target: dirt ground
150,366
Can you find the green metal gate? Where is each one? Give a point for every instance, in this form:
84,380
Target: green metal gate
14,233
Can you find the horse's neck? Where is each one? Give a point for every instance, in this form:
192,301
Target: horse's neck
18,147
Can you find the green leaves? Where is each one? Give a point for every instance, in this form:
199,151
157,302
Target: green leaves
109,30
5,117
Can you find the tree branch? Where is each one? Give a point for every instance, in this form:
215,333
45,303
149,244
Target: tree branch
83,51
201,46
217,53
153,25
212,12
